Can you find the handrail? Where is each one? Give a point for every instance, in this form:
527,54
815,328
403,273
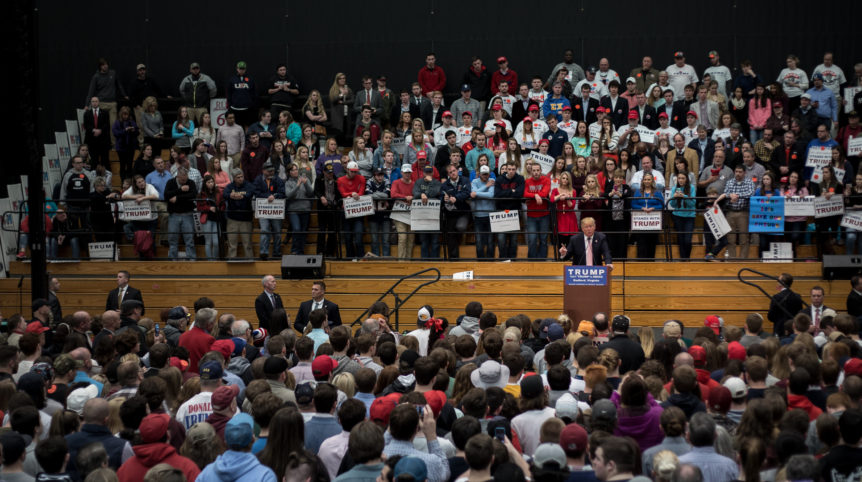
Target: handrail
771,297
398,301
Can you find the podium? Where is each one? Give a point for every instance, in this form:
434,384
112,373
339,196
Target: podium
586,291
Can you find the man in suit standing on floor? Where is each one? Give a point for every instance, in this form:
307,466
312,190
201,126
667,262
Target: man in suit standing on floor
122,293
854,299
588,248
267,302
786,298
815,307
317,301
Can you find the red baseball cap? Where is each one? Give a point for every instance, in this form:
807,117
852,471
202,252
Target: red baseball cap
528,119
323,365
633,115
154,427
422,155
662,115
699,354
502,59
436,399
382,407
600,109
714,322
179,364
566,107
223,395
225,347
573,439
496,107
533,108
853,366
735,351
36,327
691,112
544,141
500,124
467,112
719,399
446,113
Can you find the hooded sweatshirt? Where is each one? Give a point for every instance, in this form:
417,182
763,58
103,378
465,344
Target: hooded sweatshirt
469,326
639,423
236,466
687,402
148,455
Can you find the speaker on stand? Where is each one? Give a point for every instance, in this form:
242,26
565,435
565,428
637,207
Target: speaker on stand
301,266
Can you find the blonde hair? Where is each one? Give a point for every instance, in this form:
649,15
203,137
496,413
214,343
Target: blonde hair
647,340
346,383
115,424
334,91
664,464
596,191
319,104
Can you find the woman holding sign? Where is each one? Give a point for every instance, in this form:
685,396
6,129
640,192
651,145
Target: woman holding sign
646,199
794,226
842,168
828,187
683,202
768,188
140,192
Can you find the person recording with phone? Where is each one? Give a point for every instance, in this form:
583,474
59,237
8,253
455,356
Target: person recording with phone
588,248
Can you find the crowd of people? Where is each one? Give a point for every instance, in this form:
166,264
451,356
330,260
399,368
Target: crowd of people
197,394
581,141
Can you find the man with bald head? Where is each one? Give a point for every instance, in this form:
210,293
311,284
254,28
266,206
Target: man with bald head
110,324
77,338
94,429
645,75
83,365
705,383
267,302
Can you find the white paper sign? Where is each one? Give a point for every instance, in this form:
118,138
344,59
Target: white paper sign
504,221
198,227
218,109
425,217
400,212
647,134
63,148
778,252
462,276
544,160
839,174
263,209
356,208
716,221
852,220
646,221
849,93
132,211
828,207
595,130
854,146
819,157
799,206
101,250
74,135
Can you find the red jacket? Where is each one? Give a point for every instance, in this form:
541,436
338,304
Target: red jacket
198,343
803,403
400,189
432,79
148,455
347,186
542,187
705,382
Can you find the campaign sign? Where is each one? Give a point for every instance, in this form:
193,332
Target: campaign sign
854,146
263,209
425,217
357,208
646,221
504,221
647,134
819,157
716,222
586,275
400,212
799,206
852,220
132,211
101,250
766,214
544,160
833,206
218,109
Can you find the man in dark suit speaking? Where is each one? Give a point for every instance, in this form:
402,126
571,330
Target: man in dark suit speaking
267,302
123,292
317,301
588,248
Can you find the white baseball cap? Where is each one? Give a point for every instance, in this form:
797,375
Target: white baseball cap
484,170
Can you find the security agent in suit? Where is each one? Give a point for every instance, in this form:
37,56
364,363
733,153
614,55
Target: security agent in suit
97,133
362,98
577,248
317,301
854,299
788,300
122,293
267,302
816,307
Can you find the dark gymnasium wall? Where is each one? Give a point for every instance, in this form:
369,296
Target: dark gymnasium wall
316,40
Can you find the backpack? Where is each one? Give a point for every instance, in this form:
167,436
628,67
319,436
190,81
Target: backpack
144,244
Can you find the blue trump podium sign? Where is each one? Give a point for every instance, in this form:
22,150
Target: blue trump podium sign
586,275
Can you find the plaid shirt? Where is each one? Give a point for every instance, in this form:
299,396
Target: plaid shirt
744,188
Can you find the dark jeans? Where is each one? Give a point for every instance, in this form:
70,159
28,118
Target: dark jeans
507,243
484,237
617,233
646,245
298,228
327,232
684,227
352,232
456,223
380,229
430,248
713,246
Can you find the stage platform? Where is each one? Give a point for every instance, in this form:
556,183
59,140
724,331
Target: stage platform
649,293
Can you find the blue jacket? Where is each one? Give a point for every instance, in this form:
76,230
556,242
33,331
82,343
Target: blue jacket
828,106
236,466
460,190
92,433
483,203
239,209
656,201
509,192
276,187
241,92
319,429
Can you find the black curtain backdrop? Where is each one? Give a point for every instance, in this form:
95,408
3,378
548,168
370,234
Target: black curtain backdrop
318,40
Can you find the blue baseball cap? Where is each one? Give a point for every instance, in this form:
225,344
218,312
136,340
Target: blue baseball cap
211,370
411,466
239,431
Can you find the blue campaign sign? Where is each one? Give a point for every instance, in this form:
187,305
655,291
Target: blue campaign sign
586,276
766,214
